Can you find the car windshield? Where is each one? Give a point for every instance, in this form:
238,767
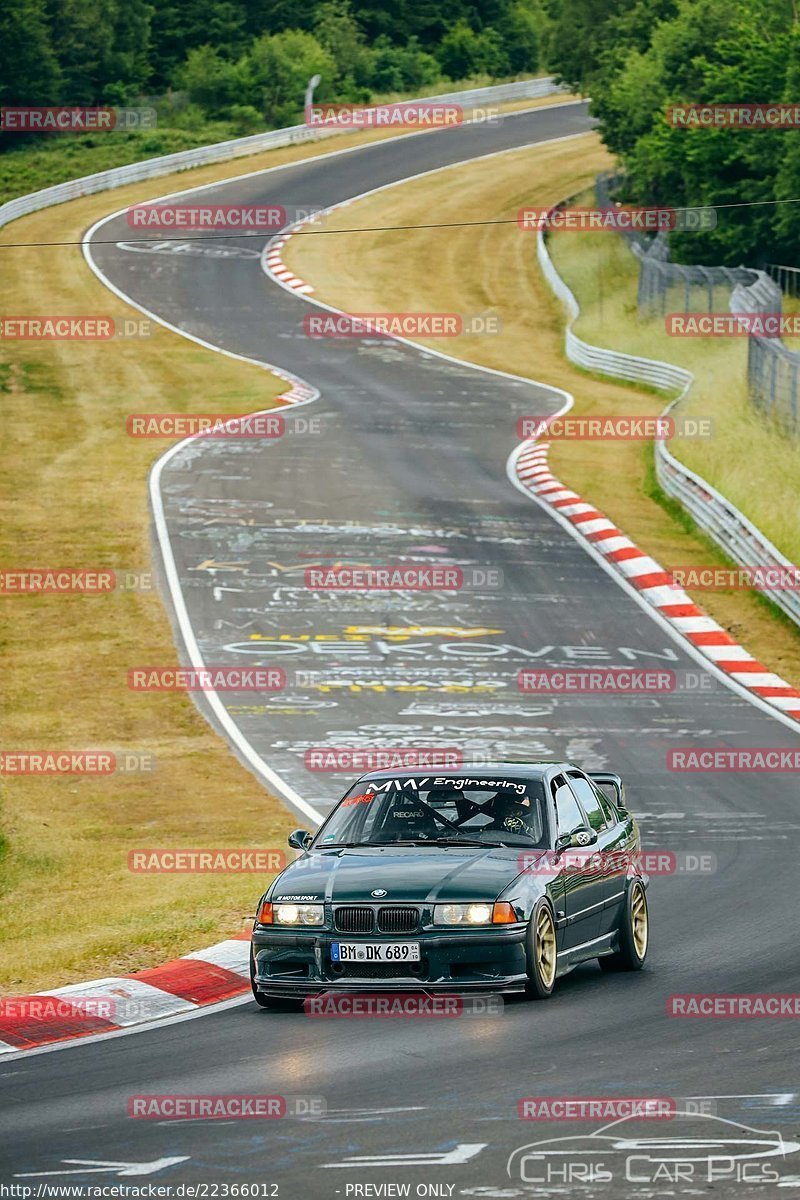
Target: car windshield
443,810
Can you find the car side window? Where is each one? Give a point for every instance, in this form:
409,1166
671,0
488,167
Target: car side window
569,814
605,804
590,802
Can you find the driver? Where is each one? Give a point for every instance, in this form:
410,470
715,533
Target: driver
512,813
465,808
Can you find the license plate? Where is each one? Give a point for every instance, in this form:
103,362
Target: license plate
381,952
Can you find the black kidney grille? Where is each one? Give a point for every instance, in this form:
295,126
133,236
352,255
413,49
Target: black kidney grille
352,919
397,919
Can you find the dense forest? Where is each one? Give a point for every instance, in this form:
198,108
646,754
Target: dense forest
254,57
637,57
246,63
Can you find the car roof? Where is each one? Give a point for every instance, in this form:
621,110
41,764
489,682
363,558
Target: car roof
514,769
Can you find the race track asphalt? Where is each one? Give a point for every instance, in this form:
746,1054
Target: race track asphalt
408,465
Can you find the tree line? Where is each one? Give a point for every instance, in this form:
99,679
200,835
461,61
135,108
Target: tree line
251,59
635,58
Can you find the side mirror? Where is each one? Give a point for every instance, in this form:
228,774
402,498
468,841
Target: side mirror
299,839
579,839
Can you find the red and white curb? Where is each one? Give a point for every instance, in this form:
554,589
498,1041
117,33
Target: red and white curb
272,259
275,266
298,392
653,583
220,972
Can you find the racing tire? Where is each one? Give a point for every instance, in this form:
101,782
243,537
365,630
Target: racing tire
634,933
541,952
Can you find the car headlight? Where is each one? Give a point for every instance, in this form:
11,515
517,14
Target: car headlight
462,914
291,914
299,914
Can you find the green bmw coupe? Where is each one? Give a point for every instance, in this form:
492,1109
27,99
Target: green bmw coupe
493,878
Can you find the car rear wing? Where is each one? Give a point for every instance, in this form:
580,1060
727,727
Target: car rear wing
610,783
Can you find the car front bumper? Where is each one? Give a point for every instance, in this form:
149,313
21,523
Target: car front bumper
295,964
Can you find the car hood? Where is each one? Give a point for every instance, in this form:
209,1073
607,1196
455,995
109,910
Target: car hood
406,873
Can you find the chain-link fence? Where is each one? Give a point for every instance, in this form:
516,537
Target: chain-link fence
605,185
666,286
773,371
787,278
772,378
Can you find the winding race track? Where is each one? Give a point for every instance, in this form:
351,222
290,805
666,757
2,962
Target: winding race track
406,463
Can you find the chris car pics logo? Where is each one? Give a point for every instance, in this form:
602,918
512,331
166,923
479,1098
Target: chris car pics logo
696,1150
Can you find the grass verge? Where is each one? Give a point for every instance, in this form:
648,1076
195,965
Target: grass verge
494,267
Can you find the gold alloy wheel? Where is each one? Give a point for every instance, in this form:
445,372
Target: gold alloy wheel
639,922
545,946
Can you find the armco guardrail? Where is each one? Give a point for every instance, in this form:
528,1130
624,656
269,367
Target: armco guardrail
200,156
720,519
723,522
607,362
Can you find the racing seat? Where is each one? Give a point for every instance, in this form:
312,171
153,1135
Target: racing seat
406,818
